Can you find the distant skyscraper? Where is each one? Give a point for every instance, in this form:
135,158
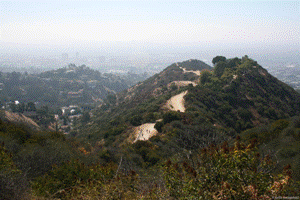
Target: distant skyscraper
77,55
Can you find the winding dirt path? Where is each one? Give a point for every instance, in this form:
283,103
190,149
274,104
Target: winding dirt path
190,71
182,83
145,131
177,102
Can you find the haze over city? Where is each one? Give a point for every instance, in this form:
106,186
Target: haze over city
135,34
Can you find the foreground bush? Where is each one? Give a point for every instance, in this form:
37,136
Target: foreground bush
68,175
238,172
74,180
13,184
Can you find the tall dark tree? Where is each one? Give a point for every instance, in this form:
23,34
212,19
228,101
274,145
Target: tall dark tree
232,63
204,76
85,117
219,68
111,99
30,106
13,107
218,59
21,107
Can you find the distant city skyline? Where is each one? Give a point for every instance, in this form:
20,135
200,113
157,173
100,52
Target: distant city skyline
264,30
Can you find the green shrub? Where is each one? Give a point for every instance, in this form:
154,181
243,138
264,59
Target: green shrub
288,152
244,114
158,126
105,155
13,184
136,120
279,125
171,116
225,172
296,134
68,175
219,68
150,117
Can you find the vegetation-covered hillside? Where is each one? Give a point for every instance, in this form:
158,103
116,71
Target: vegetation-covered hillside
238,138
161,83
63,86
49,165
282,139
240,94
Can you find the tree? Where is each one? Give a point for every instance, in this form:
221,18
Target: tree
86,117
111,99
158,126
30,106
21,107
44,111
218,59
13,107
204,76
219,68
171,116
136,120
234,62
244,58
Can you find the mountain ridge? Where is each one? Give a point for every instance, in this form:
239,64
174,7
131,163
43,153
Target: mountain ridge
231,91
160,83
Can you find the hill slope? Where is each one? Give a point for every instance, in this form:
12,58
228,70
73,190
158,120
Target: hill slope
243,95
64,86
237,96
18,118
177,74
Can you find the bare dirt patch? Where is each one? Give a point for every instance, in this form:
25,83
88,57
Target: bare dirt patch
190,71
182,83
176,102
144,131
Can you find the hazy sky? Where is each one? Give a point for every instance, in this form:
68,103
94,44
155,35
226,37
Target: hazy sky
137,24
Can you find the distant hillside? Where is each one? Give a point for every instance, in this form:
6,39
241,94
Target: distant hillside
17,118
64,86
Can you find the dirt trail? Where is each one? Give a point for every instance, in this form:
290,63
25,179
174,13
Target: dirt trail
20,118
182,83
192,71
145,131
177,102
